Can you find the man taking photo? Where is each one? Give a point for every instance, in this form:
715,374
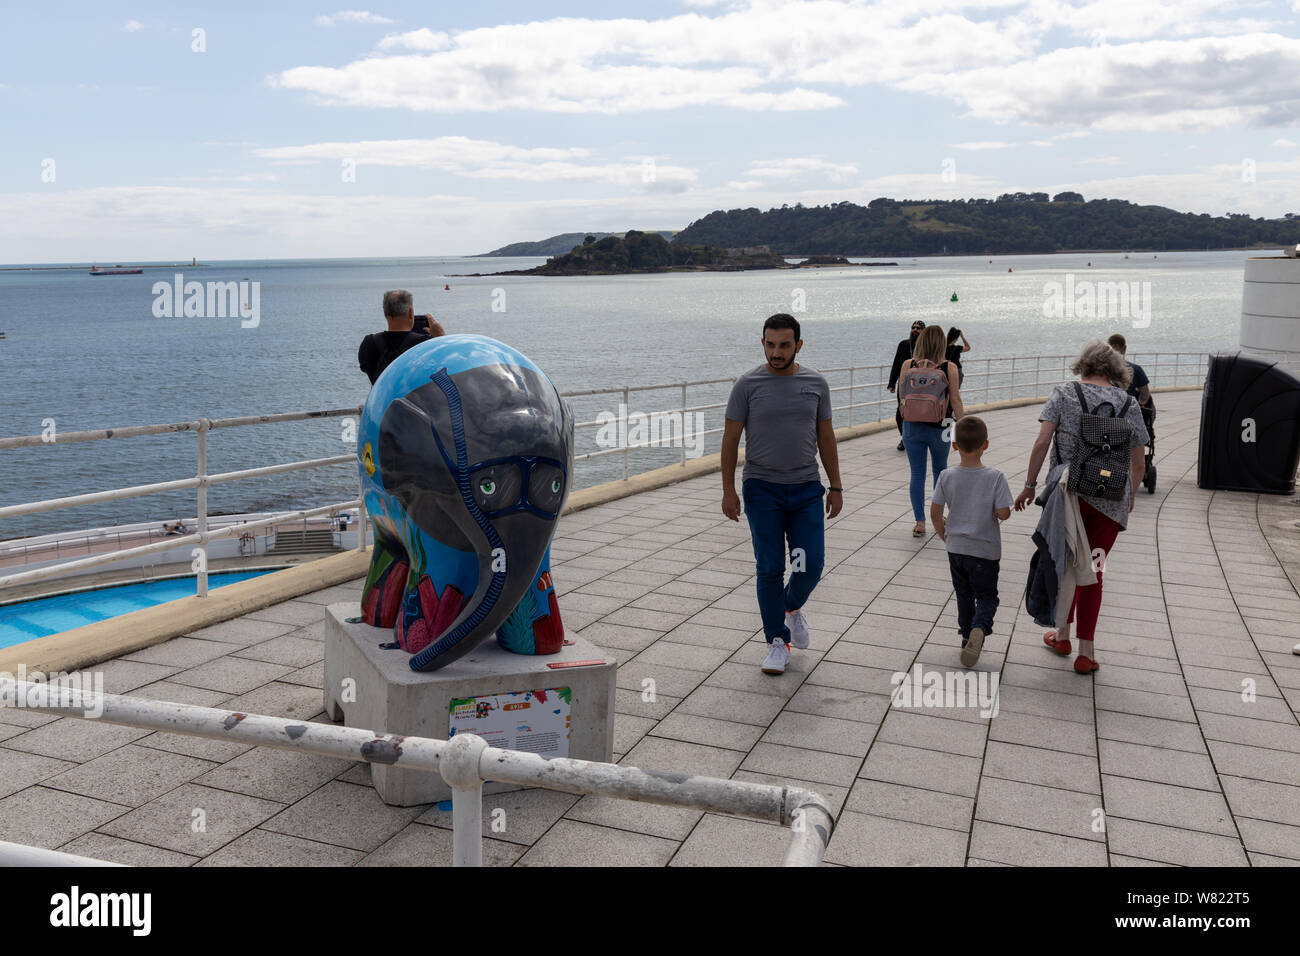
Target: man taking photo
405,330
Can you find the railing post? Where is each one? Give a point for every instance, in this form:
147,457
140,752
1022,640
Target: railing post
851,368
459,766
684,424
624,416
203,506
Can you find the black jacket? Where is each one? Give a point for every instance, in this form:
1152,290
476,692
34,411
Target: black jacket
1041,589
378,350
901,355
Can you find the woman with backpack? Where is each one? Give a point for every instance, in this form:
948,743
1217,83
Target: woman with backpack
1097,437
929,398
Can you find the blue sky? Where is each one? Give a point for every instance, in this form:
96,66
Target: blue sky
294,130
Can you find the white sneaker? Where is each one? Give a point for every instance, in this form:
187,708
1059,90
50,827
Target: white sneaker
778,652
798,626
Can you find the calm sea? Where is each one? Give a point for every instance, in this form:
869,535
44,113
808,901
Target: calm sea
88,351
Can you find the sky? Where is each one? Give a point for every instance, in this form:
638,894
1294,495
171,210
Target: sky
161,131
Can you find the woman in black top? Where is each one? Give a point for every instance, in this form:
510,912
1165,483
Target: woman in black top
954,351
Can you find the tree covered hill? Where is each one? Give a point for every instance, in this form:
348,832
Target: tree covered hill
1013,223
554,245
636,251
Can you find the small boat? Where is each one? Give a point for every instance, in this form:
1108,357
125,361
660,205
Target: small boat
2,335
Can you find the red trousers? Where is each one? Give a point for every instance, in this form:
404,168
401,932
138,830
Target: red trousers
1102,532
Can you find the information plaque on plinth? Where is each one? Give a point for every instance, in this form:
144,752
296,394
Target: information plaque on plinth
555,705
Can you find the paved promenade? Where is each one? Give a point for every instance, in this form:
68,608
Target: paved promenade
1184,748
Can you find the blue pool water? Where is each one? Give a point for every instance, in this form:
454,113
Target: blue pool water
51,615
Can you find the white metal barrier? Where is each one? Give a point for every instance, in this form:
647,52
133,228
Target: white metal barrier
201,481
465,762
985,380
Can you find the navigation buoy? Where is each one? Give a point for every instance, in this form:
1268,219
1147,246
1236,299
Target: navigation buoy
446,288
954,297
1008,268
1089,265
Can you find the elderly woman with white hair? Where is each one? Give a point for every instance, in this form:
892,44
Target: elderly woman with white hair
1087,497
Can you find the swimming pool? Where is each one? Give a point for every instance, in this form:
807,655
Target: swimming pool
41,617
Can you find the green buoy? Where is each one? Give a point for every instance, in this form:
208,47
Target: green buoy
954,297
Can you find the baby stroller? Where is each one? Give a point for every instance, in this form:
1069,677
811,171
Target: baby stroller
1149,419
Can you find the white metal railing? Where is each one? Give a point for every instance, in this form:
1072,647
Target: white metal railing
985,380
867,400
200,482
465,762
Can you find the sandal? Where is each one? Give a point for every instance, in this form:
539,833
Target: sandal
1085,665
919,530
1061,647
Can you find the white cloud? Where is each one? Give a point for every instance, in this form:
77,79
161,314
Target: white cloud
791,168
764,56
421,39
484,159
1284,143
1100,161
131,26
983,145
350,16
788,55
1205,83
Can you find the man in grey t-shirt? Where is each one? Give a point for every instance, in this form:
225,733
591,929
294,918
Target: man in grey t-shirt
784,410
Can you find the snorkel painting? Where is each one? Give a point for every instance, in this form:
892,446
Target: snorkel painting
466,457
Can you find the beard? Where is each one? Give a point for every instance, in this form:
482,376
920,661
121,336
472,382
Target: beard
779,364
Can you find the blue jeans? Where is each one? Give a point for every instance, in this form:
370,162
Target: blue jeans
778,513
976,582
917,438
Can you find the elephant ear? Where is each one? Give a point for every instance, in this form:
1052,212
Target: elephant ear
413,469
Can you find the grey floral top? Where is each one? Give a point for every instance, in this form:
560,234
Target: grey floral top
1063,408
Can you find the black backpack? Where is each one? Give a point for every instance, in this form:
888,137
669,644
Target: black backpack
1101,460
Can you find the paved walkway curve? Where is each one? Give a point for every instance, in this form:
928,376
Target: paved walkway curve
1161,758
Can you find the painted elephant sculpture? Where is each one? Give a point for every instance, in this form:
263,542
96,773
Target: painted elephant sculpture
465,451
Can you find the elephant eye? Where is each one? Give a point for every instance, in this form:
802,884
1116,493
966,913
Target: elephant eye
555,486
487,486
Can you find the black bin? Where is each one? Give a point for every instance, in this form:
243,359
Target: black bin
1244,399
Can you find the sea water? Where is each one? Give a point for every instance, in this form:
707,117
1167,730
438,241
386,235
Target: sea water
89,352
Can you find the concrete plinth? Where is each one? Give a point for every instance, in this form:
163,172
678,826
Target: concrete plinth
391,698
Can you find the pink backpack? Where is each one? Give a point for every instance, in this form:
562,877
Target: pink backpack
923,393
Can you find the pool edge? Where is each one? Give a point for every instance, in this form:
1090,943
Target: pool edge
104,640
